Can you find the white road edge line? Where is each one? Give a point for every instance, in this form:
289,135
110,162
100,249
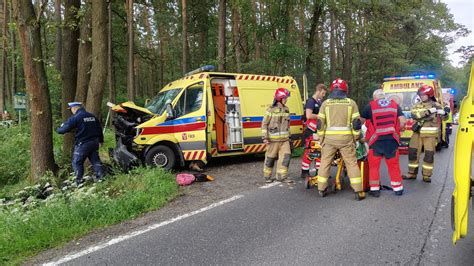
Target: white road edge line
136,233
271,184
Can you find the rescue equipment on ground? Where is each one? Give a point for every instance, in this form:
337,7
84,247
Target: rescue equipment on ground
184,179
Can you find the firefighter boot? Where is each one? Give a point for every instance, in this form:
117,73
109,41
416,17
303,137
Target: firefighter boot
374,193
359,196
427,179
399,193
409,177
323,193
304,173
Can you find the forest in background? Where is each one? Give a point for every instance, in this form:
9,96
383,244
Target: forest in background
98,51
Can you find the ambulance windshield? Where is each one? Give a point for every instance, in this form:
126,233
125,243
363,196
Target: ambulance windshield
405,99
158,104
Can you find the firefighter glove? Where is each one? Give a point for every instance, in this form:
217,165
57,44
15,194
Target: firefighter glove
433,110
356,124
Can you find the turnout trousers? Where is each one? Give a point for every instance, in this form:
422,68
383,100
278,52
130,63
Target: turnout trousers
418,142
281,152
348,154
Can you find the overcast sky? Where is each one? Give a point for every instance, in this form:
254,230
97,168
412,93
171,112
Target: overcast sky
463,11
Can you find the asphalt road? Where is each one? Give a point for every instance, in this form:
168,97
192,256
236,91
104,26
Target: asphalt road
283,225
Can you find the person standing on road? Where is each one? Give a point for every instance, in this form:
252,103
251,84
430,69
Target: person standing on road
384,120
276,135
338,128
425,133
88,138
311,117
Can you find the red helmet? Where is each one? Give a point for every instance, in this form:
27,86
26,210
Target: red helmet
339,84
426,90
281,93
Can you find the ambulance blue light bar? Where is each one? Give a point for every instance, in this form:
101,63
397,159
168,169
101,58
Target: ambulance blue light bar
429,76
205,68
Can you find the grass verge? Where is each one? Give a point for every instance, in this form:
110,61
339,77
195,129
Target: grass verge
55,222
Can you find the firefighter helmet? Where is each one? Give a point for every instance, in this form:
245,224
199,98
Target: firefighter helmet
339,84
281,93
426,90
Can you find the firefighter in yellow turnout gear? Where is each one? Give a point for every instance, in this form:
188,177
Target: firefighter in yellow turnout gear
425,133
338,128
276,135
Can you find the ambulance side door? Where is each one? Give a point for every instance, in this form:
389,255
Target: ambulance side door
190,121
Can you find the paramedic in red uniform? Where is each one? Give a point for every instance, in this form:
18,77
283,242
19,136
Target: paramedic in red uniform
384,120
311,117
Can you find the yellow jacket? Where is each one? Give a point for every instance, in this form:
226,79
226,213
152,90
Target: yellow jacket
429,122
335,118
276,124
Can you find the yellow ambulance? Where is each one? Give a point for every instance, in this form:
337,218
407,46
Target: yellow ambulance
403,90
203,115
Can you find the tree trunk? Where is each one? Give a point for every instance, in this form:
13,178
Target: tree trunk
42,157
99,57
110,60
236,36
318,9
131,93
151,66
14,79
85,56
184,16
69,58
203,27
5,93
161,32
347,60
332,47
221,45
319,65
57,18
256,38
301,20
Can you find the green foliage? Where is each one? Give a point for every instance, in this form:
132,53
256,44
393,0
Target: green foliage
123,197
16,141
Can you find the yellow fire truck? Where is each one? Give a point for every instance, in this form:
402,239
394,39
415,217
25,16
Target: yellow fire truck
203,115
403,90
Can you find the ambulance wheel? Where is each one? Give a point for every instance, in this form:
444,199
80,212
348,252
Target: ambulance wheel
161,156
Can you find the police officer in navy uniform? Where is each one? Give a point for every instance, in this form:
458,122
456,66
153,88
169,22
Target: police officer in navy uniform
88,138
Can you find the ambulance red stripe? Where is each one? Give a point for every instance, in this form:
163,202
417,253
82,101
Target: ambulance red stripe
174,128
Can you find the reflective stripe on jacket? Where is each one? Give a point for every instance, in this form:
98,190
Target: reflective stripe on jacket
336,116
276,124
430,122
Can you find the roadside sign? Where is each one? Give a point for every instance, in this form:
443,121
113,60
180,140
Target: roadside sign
19,101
